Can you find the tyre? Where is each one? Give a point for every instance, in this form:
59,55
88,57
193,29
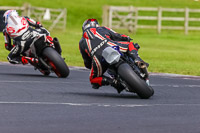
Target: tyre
135,83
56,62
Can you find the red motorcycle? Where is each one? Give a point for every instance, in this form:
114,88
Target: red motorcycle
47,56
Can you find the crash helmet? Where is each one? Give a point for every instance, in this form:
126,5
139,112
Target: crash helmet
9,13
90,23
15,25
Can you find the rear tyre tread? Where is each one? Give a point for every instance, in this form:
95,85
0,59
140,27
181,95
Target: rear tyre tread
57,60
135,82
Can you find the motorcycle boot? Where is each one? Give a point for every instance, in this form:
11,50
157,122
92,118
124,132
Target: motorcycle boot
44,72
33,61
114,83
118,86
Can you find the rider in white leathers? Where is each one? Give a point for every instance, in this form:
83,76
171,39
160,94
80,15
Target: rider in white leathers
21,30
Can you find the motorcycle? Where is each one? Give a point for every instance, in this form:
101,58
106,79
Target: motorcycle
47,55
123,68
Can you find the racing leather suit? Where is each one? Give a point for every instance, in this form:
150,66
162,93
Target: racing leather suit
23,42
91,45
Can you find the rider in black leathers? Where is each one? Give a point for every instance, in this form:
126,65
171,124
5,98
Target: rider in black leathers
91,51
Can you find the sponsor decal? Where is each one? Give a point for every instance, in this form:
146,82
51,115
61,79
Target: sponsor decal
10,30
99,46
26,35
23,21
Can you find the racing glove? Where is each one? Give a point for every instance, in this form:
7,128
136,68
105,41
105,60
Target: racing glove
38,25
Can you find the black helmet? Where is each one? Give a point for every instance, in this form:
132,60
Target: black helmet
90,23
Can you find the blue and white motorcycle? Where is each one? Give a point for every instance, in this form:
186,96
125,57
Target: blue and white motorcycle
122,67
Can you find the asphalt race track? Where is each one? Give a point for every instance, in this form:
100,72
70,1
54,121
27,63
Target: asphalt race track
33,103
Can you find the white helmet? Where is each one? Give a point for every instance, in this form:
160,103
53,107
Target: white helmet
9,13
15,25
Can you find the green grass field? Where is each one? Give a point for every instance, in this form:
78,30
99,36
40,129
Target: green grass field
169,52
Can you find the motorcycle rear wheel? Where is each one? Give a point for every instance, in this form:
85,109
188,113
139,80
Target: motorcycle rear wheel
135,83
56,62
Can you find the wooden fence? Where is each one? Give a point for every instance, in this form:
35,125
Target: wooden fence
121,17
57,17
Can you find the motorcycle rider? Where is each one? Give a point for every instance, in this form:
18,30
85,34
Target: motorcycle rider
19,29
91,50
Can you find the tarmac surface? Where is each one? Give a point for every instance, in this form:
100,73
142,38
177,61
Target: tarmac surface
33,103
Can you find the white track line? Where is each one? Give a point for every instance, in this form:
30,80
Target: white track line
96,104
76,104
176,85
73,82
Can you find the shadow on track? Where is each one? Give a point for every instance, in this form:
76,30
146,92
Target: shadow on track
104,95
28,75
